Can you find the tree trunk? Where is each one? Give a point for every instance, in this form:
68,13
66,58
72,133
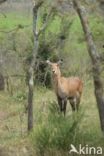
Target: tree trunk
36,33
96,67
30,100
31,85
2,83
31,71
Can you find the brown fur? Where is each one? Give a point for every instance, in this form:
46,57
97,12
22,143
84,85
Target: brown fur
66,88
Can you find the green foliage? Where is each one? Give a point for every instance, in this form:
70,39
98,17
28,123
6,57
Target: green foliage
12,20
20,96
97,27
73,49
55,131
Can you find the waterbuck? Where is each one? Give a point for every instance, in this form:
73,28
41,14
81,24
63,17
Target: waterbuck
66,88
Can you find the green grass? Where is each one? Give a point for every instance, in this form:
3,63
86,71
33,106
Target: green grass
52,132
13,131
13,121
12,20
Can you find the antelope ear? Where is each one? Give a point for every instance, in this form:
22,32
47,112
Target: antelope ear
48,62
60,62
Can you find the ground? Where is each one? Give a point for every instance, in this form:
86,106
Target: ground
14,138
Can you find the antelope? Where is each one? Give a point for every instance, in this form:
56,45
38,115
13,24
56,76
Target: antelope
66,88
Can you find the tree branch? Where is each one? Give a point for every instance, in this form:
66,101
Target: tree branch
84,21
15,29
96,65
46,22
36,6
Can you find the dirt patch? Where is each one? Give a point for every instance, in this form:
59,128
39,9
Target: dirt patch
12,151
3,152
5,115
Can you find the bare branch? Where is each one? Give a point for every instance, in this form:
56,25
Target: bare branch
46,22
15,29
36,6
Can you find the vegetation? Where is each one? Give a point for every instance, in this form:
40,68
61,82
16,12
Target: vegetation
52,133
47,120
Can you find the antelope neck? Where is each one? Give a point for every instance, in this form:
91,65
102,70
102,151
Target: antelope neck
57,80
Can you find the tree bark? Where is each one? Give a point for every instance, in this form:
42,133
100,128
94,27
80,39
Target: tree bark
36,34
2,83
30,100
31,69
96,66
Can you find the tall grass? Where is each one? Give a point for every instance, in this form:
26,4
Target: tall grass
55,132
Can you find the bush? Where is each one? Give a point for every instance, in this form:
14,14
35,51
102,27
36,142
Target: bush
55,131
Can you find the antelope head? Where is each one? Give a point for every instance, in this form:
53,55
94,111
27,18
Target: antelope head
55,67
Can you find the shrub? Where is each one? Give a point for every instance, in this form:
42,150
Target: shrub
55,131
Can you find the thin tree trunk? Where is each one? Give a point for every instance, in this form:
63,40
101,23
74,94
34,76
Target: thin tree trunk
96,67
31,70
36,33
30,101
2,82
